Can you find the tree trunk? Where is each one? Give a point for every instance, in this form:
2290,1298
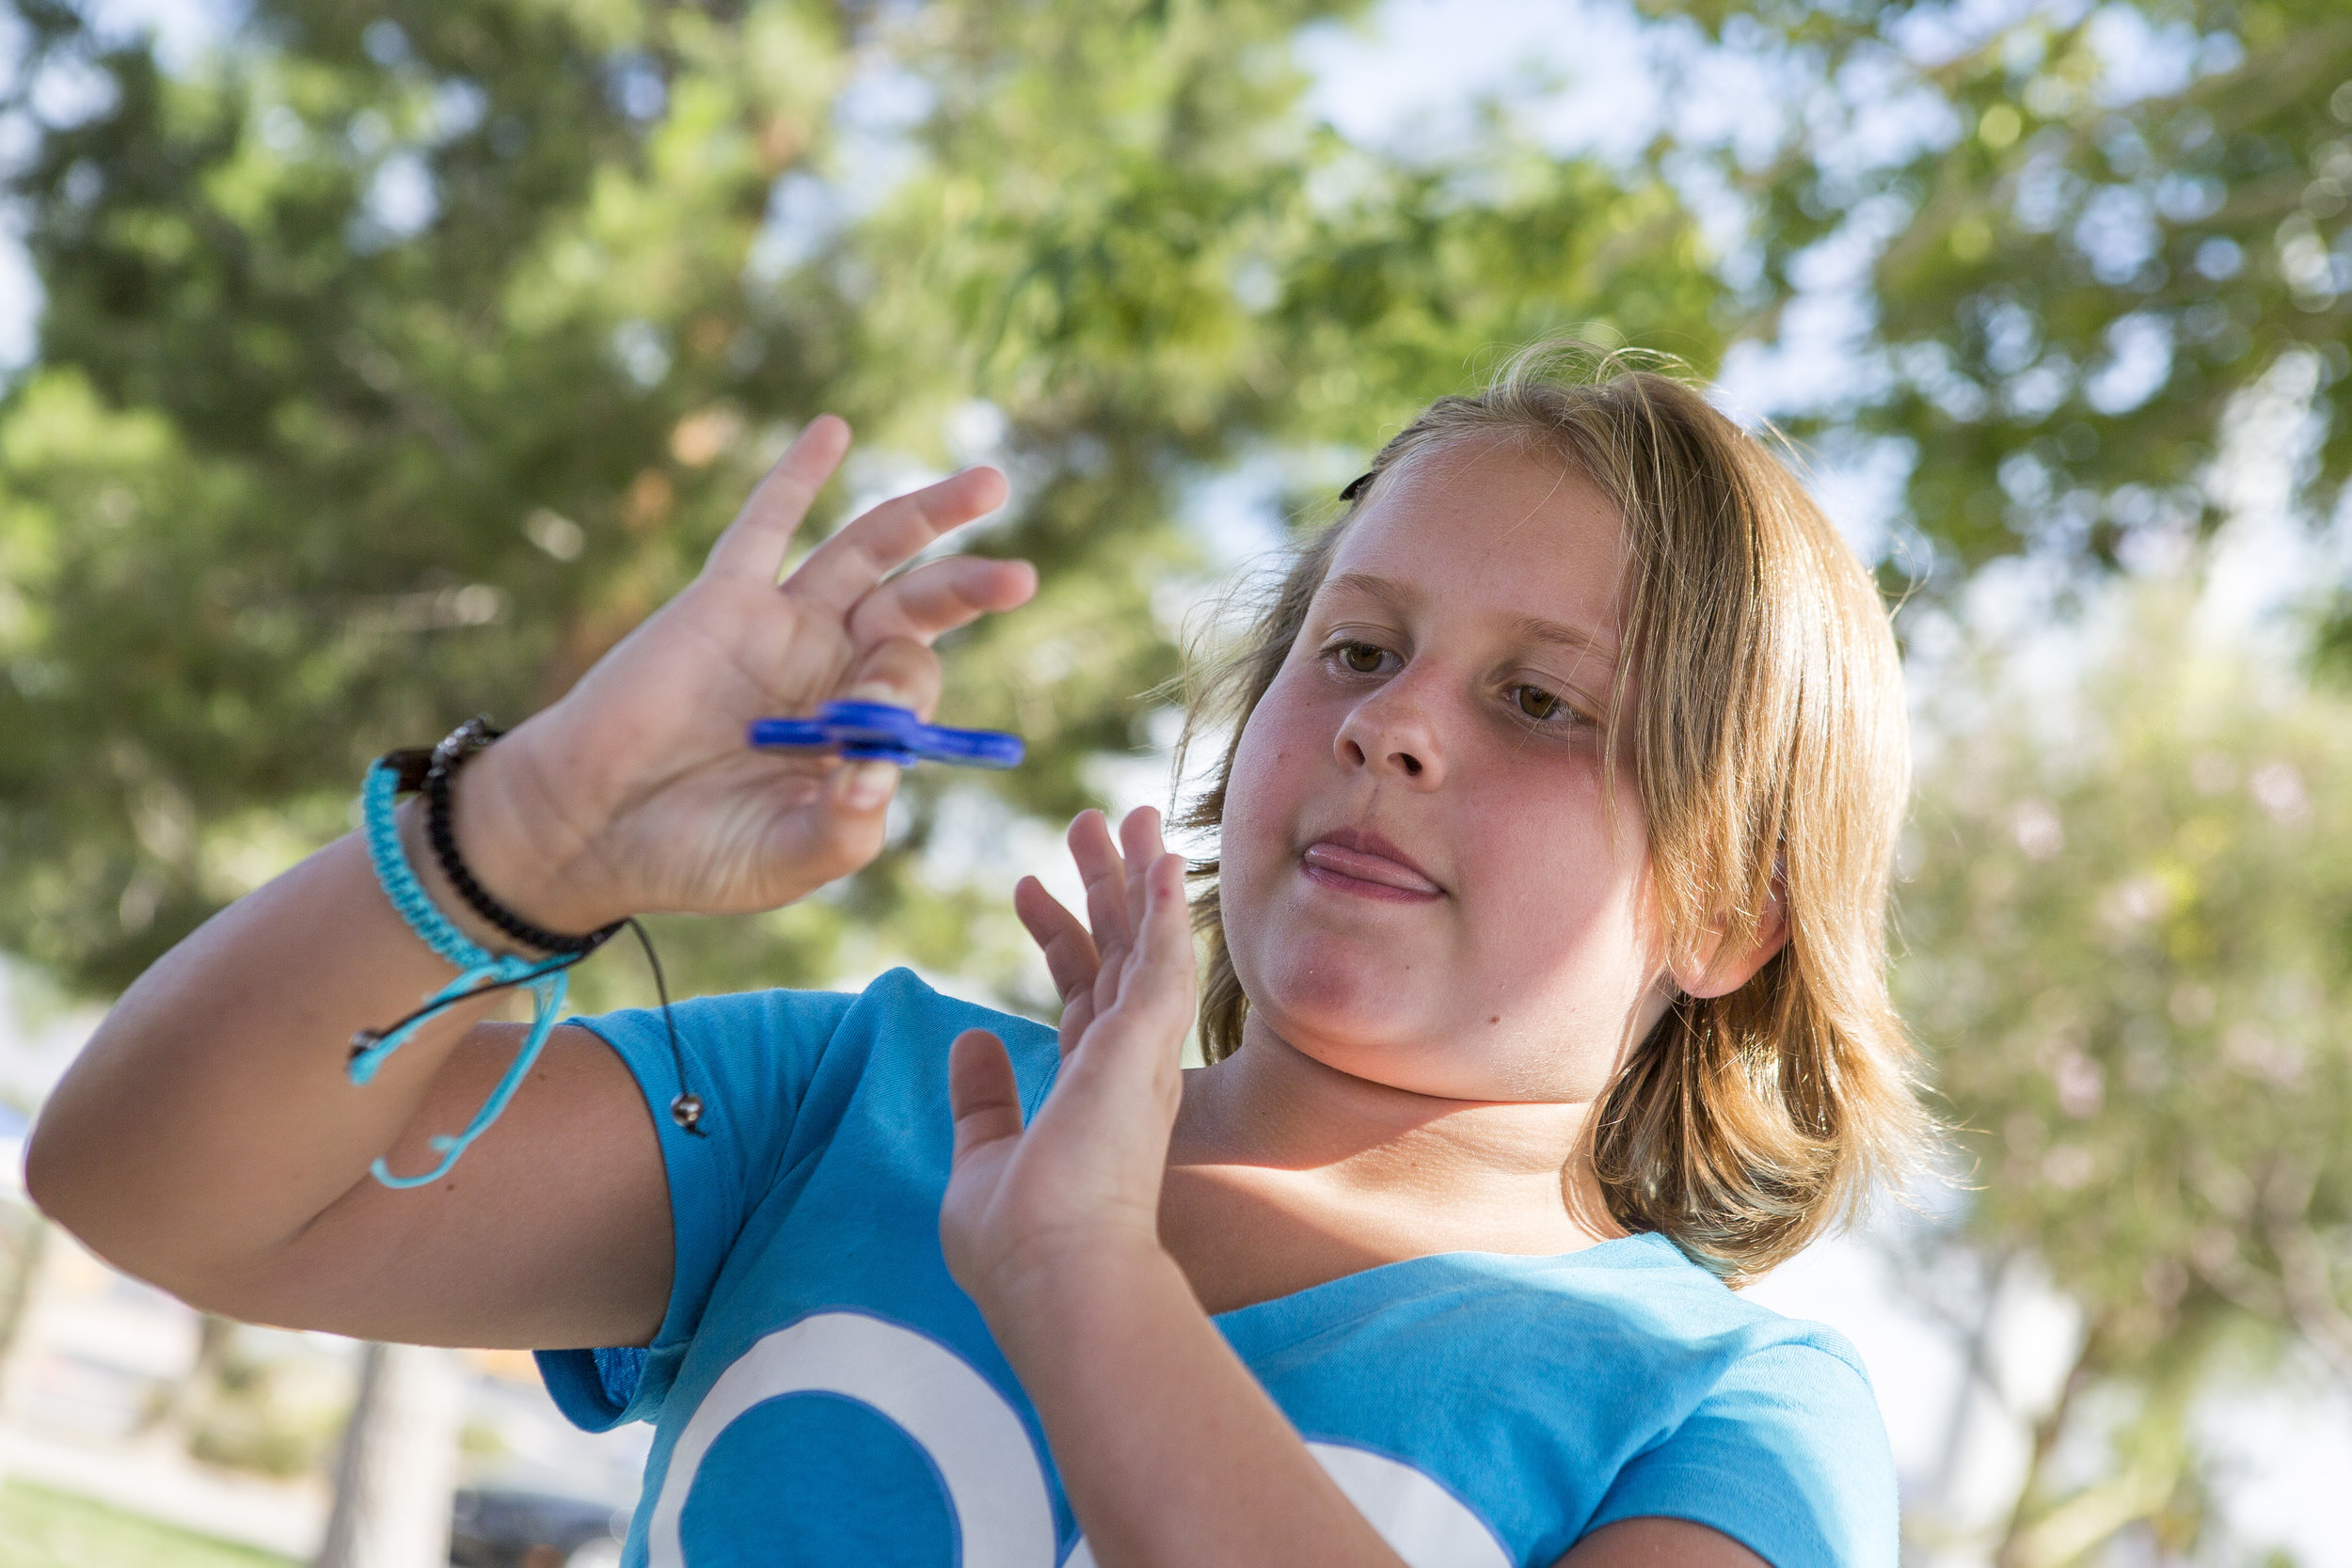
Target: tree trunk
1975,1374
18,1341
173,1404
398,1465
2046,1431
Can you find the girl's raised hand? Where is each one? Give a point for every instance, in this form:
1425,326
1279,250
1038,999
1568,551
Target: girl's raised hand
1080,1186
637,791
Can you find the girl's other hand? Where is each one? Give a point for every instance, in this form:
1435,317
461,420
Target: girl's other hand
1079,1188
637,791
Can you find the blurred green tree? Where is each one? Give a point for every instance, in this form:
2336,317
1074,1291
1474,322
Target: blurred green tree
396,359
2093,228
2126,908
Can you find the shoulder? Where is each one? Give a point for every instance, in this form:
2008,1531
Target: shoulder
780,1072
1708,1354
1766,1427
1653,1306
731,1023
1557,1396
902,1024
900,1000
797,1033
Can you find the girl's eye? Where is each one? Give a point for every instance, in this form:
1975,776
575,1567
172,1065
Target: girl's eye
1536,704
1361,658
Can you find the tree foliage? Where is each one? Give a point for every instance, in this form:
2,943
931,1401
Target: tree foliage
2126,913
2094,225
397,359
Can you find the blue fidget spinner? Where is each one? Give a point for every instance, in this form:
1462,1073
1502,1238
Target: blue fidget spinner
880,732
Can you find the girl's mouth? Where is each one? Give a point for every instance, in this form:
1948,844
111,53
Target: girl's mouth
1365,872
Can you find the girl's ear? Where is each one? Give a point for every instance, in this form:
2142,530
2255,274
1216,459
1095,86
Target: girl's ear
1710,971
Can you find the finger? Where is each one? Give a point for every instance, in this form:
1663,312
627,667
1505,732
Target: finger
1159,985
939,596
1134,1044
1168,916
1106,882
900,672
983,1095
859,791
1140,844
839,572
1070,956
754,544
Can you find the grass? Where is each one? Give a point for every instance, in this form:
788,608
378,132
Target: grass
41,1528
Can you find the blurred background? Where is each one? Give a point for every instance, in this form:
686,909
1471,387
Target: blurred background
367,367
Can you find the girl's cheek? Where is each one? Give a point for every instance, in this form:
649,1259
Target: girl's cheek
1277,734
1252,797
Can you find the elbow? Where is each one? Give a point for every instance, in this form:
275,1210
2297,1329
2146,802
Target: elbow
75,1183
49,1169
64,1180
98,1190
72,1167
59,1184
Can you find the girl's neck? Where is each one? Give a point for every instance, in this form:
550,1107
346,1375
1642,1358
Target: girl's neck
1477,1175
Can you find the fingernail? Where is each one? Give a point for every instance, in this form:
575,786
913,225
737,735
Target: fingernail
875,691
869,786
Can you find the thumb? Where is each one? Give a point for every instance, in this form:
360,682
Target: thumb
899,671
982,1092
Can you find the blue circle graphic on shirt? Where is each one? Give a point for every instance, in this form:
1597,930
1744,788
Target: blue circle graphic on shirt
982,1457
996,1487
817,1480
1422,1523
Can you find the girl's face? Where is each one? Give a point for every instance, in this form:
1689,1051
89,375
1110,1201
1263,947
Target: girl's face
1422,883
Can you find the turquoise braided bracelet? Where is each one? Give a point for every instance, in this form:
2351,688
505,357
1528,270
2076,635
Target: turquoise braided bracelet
479,970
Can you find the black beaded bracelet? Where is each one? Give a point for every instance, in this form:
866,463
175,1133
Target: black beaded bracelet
461,743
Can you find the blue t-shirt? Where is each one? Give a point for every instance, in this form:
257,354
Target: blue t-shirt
823,1393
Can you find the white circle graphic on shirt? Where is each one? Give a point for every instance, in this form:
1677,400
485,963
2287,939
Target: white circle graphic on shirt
1422,1523
996,1487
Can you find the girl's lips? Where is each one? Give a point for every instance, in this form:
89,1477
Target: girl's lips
1358,871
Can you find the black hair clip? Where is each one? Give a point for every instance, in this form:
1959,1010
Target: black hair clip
1361,483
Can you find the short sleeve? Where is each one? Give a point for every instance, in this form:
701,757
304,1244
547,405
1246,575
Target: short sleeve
750,1057
1786,1456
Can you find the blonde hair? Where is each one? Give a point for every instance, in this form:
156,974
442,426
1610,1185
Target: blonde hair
1772,763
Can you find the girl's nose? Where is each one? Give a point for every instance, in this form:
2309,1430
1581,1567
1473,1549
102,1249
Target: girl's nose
1390,732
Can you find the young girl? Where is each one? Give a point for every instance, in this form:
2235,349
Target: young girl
1544,1000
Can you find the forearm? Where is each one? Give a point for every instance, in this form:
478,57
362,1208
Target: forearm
1171,1453
211,1119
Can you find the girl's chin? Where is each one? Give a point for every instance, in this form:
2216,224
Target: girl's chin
1347,990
